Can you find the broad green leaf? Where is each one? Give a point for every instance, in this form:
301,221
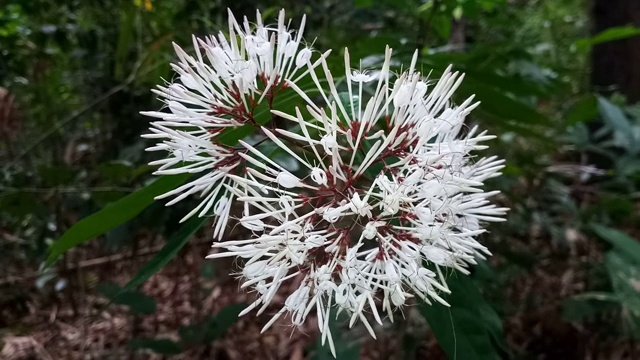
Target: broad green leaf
112,215
168,251
137,302
618,121
620,241
159,346
615,33
470,328
625,278
212,328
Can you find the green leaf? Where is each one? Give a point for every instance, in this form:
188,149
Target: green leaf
213,327
137,302
362,3
611,34
613,115
620,241
584,110
112,215
345,349
625,278
586,306
496,104
470,328
168,251
618,121
159,346
441,24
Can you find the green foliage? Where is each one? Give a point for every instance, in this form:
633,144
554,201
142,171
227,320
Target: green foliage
112,215
201,333
168,252
470,328
137,302
623,266
81,71
611,34
212,327
345,348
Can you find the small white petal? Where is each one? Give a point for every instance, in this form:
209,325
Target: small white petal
288,180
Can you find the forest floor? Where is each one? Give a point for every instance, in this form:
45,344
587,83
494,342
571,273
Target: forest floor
79,323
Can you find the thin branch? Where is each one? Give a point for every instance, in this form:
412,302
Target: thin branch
11,189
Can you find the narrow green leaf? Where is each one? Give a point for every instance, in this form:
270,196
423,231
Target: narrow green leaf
112,215
212,328
470,328
159,346
137,302
168,251
611,34
620,241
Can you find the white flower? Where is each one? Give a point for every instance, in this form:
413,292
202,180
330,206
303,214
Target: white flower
363,233
219,87
384,182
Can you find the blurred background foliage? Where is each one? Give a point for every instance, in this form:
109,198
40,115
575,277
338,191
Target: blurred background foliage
564,283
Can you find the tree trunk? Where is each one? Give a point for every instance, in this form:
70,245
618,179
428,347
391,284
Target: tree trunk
615,64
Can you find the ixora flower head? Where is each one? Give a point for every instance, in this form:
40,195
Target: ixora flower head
381,189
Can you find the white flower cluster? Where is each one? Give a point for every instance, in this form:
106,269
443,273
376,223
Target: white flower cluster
386,192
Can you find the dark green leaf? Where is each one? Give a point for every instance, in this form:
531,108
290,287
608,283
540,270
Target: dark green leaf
168,251
137,302
159,346
587,305
470,328
345,349
503,107
112,215
212,327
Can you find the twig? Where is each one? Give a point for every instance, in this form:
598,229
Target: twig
66,190
89,263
